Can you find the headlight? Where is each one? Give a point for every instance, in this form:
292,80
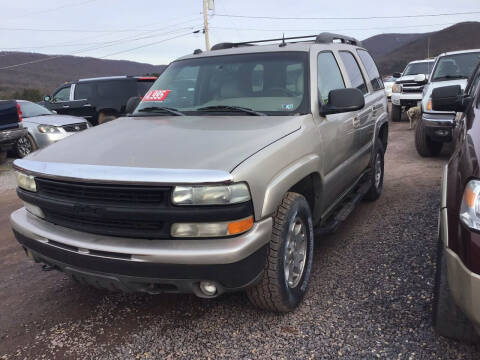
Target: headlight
26,182
470,208
396,88
217,229
48,129
210,195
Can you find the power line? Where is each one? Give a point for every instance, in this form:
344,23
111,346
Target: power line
51,9
101,47
321,30
346,18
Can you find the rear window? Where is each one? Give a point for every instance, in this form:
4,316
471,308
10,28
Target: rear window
371,69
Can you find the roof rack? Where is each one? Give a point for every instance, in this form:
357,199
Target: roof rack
323,38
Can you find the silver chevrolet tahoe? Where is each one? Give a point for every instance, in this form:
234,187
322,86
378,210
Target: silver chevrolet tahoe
220,178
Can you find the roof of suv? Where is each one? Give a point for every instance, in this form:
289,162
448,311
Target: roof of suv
324,39
118,78
459,52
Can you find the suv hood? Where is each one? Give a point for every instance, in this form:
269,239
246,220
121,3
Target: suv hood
407,78
171,142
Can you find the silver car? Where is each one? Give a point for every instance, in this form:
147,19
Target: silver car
45,127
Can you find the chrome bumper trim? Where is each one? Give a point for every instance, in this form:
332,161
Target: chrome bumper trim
203,251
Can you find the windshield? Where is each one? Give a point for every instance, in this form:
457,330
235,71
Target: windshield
418,68
458,66
30,109
268,83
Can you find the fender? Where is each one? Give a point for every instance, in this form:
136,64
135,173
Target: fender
285,179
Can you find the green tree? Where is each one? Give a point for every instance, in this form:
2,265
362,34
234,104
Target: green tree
28,94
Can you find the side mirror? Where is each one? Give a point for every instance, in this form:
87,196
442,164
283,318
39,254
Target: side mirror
396,75
448,98
47,98
420,78
132,103
343,100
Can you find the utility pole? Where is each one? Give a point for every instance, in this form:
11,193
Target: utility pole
205,25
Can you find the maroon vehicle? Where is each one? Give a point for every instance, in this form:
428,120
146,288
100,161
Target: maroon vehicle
457,288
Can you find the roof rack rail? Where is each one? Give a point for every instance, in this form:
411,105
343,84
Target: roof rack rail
323,38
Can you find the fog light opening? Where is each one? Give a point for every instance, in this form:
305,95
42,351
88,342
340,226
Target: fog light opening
208,288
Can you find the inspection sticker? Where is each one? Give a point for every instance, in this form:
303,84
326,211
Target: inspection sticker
156,95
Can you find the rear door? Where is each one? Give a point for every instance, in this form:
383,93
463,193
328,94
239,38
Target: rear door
363,120
376,92
83,95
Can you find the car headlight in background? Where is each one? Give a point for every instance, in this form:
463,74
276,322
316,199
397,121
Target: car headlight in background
211,195
396,88
48,129
470,208
214,229
26,182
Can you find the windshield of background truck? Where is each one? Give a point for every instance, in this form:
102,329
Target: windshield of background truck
270,83
457,66
418,68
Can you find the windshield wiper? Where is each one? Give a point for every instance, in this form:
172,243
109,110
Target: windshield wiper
231,108
163,109
451,77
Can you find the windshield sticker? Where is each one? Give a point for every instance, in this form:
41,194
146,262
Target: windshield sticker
287,107
156,95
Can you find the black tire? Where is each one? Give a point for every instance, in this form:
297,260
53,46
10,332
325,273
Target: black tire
396,113
3,156
25,146
273,292
377,183
425,146
448,319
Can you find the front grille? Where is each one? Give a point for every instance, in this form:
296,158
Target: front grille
412,89
118,194
133,211
75,127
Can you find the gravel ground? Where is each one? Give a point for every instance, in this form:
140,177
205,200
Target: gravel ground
7,176
370,295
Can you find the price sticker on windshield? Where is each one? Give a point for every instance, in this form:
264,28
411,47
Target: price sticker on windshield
156,95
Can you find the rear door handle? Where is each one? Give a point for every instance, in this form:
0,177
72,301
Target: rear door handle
87,105
66,106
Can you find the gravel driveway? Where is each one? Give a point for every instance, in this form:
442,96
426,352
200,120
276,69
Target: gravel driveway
370,295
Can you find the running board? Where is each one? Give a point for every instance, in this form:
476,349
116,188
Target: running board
345,210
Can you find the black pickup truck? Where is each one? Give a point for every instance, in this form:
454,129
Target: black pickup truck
11,128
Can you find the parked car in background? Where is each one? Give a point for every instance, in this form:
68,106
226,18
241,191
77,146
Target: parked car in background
97,99
44,127
436,127
11,127
408,87
216,181
388,82
457,288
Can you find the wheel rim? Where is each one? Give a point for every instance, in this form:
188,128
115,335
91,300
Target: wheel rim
378,170
295,252
24,146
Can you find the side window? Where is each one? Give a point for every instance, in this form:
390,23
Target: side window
84,91
62,95
371,69
329,76
353,71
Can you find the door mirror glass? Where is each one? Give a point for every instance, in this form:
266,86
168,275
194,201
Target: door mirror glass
448,98
342,100
397,75
47,98
420,78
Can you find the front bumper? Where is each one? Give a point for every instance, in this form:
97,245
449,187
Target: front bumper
406,99
439,127
9,137
146,265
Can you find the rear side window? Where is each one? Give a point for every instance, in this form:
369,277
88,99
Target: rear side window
371,69
353,71
116,89
143,86
84,91
329,76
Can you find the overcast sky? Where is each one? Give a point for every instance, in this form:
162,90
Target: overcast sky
108,28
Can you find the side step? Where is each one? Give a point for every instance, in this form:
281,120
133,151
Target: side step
344,210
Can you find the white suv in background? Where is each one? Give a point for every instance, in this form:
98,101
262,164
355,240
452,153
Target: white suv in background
407,90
